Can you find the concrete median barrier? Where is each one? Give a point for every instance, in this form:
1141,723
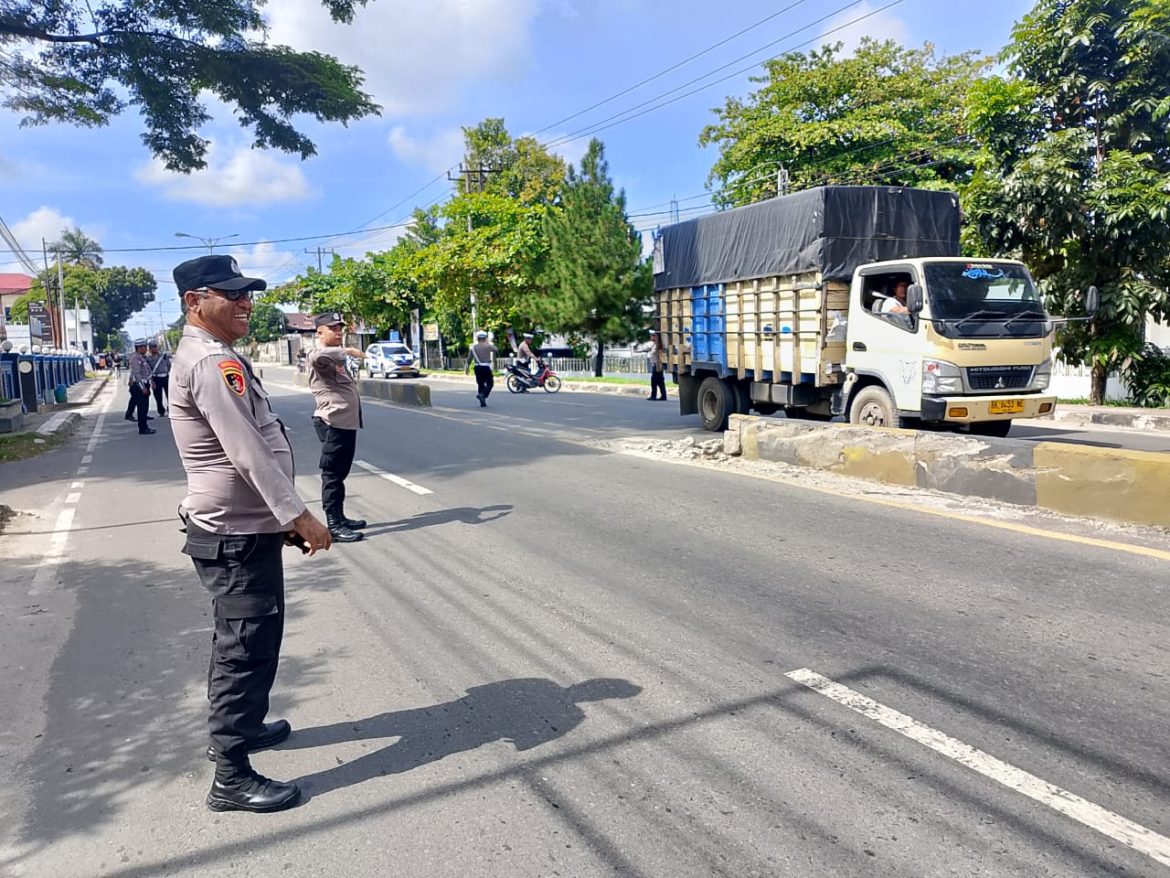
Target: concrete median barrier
408,393
1129,486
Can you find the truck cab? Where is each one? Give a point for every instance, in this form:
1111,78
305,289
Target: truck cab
970,345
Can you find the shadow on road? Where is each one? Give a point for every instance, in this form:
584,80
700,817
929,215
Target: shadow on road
462,514
524,712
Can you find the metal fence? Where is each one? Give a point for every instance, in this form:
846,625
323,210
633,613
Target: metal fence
568,365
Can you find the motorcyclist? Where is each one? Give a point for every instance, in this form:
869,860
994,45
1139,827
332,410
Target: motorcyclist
526,359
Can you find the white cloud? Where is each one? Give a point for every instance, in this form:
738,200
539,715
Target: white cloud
44,222
272,263
880,26
243,176
416,54
436,152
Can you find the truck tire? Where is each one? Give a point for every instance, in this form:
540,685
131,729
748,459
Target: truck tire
873,407
742,397
998,429
716,403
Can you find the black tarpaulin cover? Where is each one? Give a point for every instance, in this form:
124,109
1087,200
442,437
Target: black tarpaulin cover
830,229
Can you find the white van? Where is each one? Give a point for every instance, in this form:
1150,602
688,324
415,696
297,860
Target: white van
389,359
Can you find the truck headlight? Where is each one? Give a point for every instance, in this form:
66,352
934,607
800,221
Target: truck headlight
1043,375
939,376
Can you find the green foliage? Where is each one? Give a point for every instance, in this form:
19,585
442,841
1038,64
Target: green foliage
1075,175
1147,375
18,311
112,295
267,323
884,116
84,63
78,248
596,277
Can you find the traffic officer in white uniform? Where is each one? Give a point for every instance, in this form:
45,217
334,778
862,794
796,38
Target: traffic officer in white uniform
337,419
241,509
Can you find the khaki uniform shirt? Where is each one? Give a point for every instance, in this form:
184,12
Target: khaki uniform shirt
338,403
139,368
238,460
482,353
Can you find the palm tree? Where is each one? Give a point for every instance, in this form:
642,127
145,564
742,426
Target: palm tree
78,248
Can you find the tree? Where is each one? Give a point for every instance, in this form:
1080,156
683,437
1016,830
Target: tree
597,280
85,62
112,294
78,248
884,116
1076,171
267,323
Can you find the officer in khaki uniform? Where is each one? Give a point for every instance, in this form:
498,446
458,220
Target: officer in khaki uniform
140,383
337,419
240,510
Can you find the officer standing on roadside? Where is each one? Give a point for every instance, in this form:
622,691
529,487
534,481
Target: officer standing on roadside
160,371
140,387
241,509
337,419
481,355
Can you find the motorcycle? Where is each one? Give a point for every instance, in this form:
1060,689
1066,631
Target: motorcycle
520,380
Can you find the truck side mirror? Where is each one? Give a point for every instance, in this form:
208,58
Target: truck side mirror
1092,301
914,299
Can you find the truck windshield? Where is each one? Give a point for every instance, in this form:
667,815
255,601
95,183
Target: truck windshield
987,299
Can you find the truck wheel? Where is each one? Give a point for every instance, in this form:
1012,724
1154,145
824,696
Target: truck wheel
873,407
742,398
998,429
716,403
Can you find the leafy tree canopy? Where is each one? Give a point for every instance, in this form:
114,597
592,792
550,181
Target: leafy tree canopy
86,62
885,115
78,248
112,295
267,323
597,281
1076,172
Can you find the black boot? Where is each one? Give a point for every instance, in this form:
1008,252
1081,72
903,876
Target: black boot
340,531
272,735
237,787
353,523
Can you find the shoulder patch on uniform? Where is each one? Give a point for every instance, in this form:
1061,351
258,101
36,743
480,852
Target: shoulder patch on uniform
233,376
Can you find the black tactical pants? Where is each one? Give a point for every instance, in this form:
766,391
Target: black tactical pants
161,390
484,380
139,405
657,383
245,575
337,450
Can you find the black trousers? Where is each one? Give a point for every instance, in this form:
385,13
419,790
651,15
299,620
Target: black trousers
657,383
484,380
245,575
139,405
337,450
160,390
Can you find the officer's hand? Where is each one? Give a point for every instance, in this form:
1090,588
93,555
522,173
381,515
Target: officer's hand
312,531
354,352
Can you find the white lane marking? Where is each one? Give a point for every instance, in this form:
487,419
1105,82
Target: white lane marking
47,571
73,497
76,486
390,477
1094,816
82,470
86,459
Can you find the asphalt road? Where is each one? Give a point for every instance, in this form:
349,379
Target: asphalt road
568,661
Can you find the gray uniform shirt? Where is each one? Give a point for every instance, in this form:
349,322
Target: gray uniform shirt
160,365
482,353
338,402
238,460
139,368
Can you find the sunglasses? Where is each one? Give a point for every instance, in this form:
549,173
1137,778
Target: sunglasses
230,295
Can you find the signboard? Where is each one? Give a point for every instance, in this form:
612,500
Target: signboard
394,335
430,332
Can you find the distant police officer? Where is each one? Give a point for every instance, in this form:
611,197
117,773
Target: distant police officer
481,355
241,508
337,419
140,387
160,371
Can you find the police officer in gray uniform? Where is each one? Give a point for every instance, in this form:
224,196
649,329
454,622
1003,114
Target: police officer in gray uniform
140,387
337,419
240,510
160,372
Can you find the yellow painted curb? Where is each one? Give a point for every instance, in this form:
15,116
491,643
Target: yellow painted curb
1131,486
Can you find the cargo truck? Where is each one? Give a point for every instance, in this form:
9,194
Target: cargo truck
853,301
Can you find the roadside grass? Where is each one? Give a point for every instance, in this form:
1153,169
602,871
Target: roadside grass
22,446
1084,400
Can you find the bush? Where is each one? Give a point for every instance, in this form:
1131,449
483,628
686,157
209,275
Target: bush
1147,375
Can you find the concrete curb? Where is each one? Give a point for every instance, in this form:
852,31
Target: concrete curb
90,393
1128,486
1152,420
406,393
59,424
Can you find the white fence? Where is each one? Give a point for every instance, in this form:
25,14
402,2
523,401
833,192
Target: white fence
1075,382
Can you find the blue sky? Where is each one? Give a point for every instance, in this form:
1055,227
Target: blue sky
436,65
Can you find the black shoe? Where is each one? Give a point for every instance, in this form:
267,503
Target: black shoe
131,418
272,735
342,534
482,403
149,431
355,523
245,790
150,417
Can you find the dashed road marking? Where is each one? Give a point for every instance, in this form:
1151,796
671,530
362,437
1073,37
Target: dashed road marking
1128,833
390,477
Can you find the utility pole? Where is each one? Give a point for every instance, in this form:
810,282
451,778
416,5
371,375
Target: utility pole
466,175
782,181
320,251
61,288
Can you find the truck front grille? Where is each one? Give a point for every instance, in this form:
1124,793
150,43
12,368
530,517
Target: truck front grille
999,377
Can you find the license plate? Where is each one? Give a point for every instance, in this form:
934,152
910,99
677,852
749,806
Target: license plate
1005,406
